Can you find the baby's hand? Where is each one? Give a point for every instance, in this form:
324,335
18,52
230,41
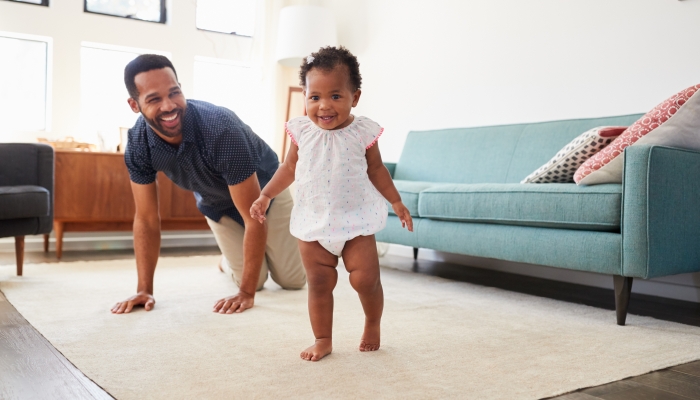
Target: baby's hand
402,212
259,207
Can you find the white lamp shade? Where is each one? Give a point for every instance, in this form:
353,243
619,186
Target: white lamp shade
303,30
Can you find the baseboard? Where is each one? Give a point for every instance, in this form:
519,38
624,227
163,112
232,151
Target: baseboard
82,241
679,287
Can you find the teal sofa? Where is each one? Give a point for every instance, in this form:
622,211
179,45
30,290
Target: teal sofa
462,189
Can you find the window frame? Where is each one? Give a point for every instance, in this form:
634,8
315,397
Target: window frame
44,3
163,13
48,102
220,32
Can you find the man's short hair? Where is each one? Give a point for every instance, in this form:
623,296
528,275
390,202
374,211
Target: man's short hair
143,63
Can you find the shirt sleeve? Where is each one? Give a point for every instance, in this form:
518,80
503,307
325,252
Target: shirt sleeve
369,131
294,128
236,153
138,160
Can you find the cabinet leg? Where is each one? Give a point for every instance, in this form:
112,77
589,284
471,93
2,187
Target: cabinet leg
46,243
19,253
623,289
415,253
58,228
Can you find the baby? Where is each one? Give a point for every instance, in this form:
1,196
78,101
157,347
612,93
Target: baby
340,181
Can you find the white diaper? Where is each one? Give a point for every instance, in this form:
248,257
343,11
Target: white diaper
335,248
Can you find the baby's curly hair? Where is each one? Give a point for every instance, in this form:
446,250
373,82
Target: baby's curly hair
327,58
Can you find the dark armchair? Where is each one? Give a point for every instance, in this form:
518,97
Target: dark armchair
26,192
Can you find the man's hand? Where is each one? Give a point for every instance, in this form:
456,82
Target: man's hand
259,207
402,212
237,303
140,299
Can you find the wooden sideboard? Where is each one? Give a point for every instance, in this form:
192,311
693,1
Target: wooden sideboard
93,193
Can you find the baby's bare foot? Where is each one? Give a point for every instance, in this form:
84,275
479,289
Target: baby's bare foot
370,338
320,349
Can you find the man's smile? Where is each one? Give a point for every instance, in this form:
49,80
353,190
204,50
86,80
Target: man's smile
170,120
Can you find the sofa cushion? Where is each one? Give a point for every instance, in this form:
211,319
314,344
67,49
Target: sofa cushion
409,191
561,168
563,205
681,108
23,202
493,154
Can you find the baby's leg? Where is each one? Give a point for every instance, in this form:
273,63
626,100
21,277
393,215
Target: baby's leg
361,260
321,276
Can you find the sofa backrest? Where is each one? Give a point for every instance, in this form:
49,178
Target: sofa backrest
492,154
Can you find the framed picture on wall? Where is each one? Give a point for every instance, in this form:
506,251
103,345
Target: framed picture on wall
295,108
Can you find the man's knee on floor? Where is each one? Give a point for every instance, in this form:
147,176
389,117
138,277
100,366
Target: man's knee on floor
294,285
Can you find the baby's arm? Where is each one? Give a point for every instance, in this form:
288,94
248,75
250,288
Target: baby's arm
280,181
380,178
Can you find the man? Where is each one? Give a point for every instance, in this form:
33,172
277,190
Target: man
208,150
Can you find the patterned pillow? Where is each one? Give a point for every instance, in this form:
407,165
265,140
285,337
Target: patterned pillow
561,168
606,166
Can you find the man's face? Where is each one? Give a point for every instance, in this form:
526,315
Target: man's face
161,103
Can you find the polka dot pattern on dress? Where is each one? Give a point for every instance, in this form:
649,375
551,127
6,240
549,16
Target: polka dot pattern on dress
335,200
218,150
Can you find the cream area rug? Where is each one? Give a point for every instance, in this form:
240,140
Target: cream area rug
440,339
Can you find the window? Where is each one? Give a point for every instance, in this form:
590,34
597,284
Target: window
25,82
103,96
145,10
236,17
37,2
238,87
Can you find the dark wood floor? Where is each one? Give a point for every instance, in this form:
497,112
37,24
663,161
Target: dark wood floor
31,368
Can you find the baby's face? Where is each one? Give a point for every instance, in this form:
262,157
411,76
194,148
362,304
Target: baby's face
329,98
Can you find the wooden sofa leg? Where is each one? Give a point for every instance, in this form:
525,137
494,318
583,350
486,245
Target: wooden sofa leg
19,253
46,243
623,289
415,253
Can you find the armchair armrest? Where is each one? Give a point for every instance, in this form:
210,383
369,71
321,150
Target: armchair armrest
660,211
391,167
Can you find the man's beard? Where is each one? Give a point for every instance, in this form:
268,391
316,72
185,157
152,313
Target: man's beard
158,126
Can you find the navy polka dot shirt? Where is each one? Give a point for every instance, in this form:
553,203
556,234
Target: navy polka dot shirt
217,150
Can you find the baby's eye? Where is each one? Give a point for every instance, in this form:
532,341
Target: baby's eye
315,98
336,97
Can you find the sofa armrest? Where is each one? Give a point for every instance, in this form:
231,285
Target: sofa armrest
660,211
391,167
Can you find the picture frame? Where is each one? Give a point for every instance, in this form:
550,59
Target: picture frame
296,107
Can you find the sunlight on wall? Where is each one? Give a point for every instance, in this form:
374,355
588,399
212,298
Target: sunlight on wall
104,107
236,86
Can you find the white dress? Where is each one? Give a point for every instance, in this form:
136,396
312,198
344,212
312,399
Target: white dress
335,200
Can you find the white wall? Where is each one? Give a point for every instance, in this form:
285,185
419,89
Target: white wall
68,25
456,63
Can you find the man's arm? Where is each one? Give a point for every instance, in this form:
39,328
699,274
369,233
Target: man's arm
254,240
146,246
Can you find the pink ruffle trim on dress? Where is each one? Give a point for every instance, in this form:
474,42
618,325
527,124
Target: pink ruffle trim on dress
375,139
290,134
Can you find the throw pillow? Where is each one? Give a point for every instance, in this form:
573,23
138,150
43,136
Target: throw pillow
561,168
681,112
